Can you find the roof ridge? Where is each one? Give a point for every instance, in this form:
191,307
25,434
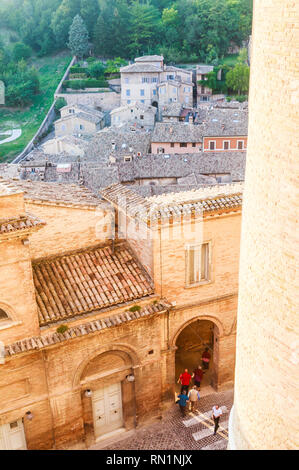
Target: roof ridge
42,341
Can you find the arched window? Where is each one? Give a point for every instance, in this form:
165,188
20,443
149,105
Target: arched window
3,315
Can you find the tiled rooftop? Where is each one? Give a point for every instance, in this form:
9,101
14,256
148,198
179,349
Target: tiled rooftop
140,67
56,193
150,58
22,223
181,165
86,281
40,342
206,200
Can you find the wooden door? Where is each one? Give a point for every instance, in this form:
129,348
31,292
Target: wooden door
12,436
107,409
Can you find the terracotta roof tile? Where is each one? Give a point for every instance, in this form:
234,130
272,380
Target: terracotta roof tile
54,193
217,198
20,223
78,283
39,342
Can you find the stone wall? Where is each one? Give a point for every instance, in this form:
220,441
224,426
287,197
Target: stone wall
67,229
266,395
106,101
17,297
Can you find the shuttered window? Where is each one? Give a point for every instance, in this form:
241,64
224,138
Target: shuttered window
197,263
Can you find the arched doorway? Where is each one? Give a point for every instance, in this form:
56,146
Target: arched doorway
108,397
191,342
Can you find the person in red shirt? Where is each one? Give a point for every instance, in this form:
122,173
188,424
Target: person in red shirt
197,376
185,381
206,356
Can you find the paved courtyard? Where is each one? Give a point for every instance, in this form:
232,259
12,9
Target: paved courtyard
174,432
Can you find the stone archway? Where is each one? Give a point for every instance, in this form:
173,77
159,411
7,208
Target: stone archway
190,341
108,398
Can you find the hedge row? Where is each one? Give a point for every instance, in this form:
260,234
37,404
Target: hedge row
77,75
81,84
75,69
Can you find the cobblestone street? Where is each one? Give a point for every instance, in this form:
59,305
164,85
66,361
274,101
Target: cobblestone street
174,432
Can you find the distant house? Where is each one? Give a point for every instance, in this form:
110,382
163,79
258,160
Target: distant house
171,112
176,137
118,143
149,81
67,144
213,130
79,119
136,113
203,93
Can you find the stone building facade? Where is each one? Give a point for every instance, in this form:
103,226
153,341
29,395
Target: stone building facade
265,412
149,81
114,366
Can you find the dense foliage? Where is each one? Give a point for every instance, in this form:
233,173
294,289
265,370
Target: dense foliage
180,29
224,79
21,81
78,38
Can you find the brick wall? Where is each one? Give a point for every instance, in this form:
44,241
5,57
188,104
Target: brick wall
266,399
67,229
219,143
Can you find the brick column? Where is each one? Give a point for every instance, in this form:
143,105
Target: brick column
265,412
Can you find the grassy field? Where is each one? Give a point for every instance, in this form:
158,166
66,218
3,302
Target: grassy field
51,70
230,60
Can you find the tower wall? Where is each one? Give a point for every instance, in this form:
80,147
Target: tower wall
265,413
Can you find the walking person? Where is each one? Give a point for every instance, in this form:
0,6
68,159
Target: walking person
217,412
185,380
206,356
194,397
183,398
197,376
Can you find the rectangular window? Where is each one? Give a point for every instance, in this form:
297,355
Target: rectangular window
240,144
128,93
141,116
193,144
142,101
142,92
145,80
154,92
126,80
212,145
170,77
128,101
226,144
172,144
197,263
154,80
183,144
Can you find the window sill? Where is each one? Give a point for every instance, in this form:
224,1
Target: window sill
8,324
198,284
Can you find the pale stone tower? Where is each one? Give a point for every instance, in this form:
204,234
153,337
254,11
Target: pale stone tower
265,413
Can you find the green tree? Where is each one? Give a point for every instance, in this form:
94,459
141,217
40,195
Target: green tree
112,30
89,11
145,23
237,79
21,51
96,69
62,19
78,37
